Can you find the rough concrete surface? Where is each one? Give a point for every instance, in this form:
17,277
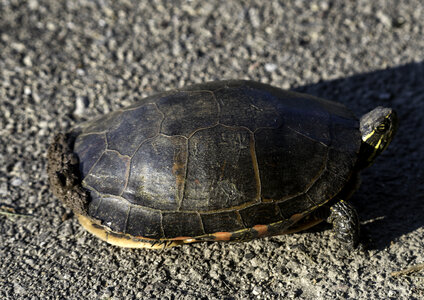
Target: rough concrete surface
62,62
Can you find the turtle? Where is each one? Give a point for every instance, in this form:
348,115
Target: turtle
228,160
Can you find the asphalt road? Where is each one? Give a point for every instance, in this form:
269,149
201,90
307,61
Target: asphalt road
63,62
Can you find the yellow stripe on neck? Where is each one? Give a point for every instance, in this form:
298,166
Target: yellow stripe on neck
368,136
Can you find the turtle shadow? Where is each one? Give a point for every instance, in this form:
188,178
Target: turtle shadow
390,201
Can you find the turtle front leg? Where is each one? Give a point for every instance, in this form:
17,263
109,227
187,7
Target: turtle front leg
345,222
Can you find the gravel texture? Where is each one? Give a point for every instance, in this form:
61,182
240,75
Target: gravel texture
62,62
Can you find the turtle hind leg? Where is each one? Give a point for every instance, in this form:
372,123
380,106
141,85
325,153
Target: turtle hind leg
345,222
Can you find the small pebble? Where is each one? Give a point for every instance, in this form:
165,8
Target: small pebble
27,61
270,67
16,182
80,106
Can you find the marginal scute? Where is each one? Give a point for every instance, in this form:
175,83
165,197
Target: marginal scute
215,222
260,214
326,187
137,225
179,224
298,204
94,204
113,212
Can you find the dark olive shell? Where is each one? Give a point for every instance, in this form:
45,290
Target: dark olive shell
214,157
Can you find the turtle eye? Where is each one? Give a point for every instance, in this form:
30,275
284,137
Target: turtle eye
382,127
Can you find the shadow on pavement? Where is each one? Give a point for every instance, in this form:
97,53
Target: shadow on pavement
390,201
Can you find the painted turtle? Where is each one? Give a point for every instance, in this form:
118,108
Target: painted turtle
220,161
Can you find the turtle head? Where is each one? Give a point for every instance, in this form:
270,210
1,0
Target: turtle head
378,128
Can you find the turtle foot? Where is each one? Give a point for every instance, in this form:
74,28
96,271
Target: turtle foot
345,222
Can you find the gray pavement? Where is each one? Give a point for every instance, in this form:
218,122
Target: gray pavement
63,62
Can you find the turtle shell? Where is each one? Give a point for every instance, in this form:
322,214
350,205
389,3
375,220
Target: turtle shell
214,158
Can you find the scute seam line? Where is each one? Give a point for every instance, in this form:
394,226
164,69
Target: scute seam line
92,167
163,117
201,222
